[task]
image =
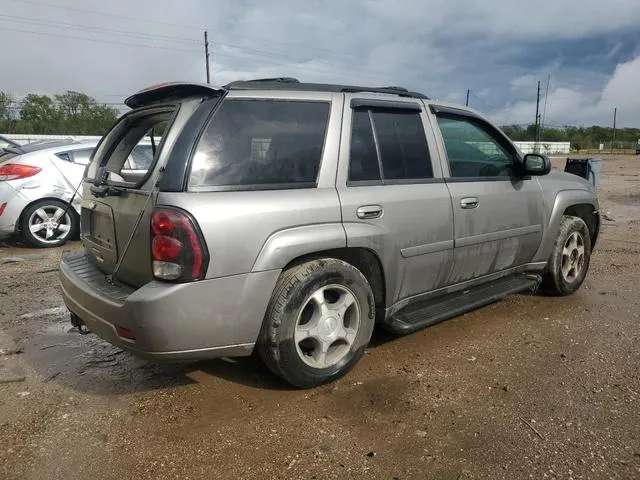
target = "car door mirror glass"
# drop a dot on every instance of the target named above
(536, 164)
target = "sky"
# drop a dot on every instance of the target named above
(586, 51)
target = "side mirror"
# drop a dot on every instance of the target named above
(536, 164)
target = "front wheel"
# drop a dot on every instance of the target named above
(318, 323)
(569, 261)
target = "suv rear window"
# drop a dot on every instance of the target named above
(261, 144)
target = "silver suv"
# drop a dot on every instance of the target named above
(290, 218)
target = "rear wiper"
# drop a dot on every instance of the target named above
(102, 191)
(153, 144)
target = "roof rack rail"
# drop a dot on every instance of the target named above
(400, 89)
(401, 92)
(293, 84)
(240, 83)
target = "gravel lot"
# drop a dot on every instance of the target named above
(531, 387)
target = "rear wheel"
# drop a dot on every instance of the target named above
(318, 322)
(569, 261)
(48, 223)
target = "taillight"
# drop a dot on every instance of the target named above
(15, 171)
(177, 247)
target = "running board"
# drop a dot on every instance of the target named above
(423, 314)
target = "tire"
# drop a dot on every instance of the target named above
(45, 211)
(569, 261)
(296, 311)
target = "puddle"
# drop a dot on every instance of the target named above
(87, 363)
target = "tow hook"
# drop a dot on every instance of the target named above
(76, 322)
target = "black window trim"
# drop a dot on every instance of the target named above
(61, 155)
(397, 181)
(239, 188)
(369, 103)
(400, 181)
(177, 171)
(502, 140)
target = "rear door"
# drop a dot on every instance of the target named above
(394, 200)
(497, 213)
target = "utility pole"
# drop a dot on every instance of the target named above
(467, 104)
(615, 114)
(206, 54)
(535, 147)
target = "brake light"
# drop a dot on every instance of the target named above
(177, 248)
(15, 171)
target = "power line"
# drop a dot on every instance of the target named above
(483, 100)
(156, 47)
(146, 36)
(104, 14)
(139, 35)
(159, 22)
(126, 44)
(48, 23)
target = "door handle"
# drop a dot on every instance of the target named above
(369, 211)
(469, 202)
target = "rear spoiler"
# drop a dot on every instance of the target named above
(171, 91)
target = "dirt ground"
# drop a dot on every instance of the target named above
(531, 387)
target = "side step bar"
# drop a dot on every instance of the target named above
(423, 314)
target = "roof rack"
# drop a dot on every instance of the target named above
(293, 84)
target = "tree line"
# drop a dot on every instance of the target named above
(69, 113)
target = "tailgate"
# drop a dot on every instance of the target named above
(118, 193)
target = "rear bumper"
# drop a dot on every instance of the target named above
(14, 203)
(171, 322)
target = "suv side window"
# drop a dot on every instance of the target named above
(472, 149)
(261, 144)
(401, 141)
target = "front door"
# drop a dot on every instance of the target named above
(497, 213)
(393, 197)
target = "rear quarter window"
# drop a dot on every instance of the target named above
(254, 144)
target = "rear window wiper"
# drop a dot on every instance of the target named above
(153, 144)
(100, 188)
(102, 191)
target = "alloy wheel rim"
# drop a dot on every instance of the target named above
(50, 224)
(327, 326)
(573, 257)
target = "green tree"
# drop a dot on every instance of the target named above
(38, 115)
(82, 115)
(6, 107)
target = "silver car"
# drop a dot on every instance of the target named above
(290, 218)
(37, 182)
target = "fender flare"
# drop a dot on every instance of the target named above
(286, 245)
(564, 199)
